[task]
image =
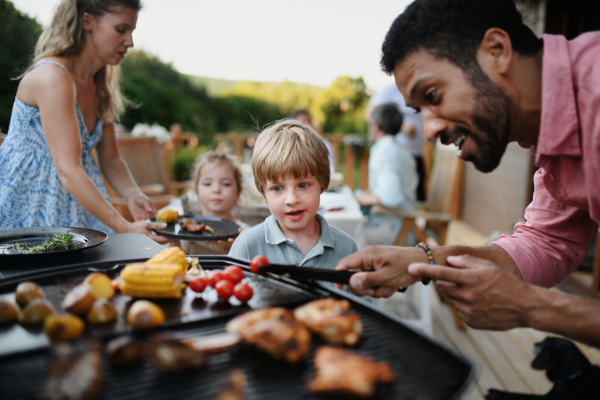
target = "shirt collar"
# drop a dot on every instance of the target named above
(274, 235)
(559, 122)
(385, 141)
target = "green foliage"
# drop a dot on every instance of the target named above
(341, 107)
(182, 162)
(18, 34)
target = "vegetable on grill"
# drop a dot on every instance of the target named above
(171, 255)
(167, 216)
(152, 280)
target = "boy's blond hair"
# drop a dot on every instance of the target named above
(290, 148)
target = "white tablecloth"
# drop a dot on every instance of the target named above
(350, 219)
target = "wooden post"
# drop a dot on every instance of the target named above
(364, 171)
(349, 163)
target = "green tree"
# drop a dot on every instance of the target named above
(18, 34)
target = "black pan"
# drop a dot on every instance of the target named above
(224, 229)
(85, 238)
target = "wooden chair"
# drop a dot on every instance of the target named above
(442, 205)
(144, 159)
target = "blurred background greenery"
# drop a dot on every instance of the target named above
(201, 105)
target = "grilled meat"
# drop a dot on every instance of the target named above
(74, 373)
(234, 389)
(212, 344)
(274, 331)
(340, 371)
(125, 350)
(173, 356)
(332, 320)
(191, 225)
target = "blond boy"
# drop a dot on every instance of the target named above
(291, 169)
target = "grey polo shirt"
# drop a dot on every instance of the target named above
(267, 239)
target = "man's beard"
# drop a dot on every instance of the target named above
(491, 117)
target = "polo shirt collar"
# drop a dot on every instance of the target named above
(559, 121)
(274, 235)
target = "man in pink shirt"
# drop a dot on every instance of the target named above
(482, 79)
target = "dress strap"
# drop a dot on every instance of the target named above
(47, 62)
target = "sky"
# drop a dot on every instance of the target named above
(307, 41)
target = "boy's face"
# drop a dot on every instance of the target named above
(294, 202)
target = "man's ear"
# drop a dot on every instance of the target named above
(87, 22)
(495, 52)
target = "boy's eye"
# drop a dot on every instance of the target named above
(303, 185)
(277, 188)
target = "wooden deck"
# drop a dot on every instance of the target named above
(503, 358)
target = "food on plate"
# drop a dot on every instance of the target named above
(50, 243)
(27, 292)
(8, 311)
(234, 388)
(224, 289)
(101, 285)
(331, 319)
(36, 312)
(152, 280)
(344, 372)
(63, 327)
(198, 284)
(101, 312)
(125, 350)
(167, 216)
(145, 314)
(243, 292)
(257, 262)
(213, 344)
(233, 274)
(191, 225)
(79, 299)
(173, 356)
(74, 374)
(215, 277)
(171, 255)
(274, 331)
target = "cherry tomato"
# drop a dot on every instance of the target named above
(214, 278)
(198, 284)
(257, 262)
(243, 292)
(224, 289)
(233, 274)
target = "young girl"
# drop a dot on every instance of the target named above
(217, 181)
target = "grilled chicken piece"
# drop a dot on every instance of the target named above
(212, 344)
(173, 356)
(332, 320)
(234, 389)
(74, 373)
(274, 331)
(340, 371)
(125, 350)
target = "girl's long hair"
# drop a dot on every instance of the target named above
(64, 36)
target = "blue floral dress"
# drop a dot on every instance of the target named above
(31, 193)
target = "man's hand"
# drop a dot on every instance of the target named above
(140, 207)
(386, 269)
(485, 296)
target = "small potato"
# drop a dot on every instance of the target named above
(63, 327)
(101, 285)
(36, 312)
(8, 312)
(102, 311)
(27, 292)
(79, 299)
(145, 314)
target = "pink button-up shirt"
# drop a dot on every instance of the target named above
(565, 211)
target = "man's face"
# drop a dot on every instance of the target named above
(464, 108)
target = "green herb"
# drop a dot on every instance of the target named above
(57, 242)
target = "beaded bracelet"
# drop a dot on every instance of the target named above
(422, 245)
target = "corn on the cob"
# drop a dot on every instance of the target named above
(152, 280)
(171, 255)
(167, 216)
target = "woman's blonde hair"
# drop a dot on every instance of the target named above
(290, 147)
(217, 157)
(64, 36)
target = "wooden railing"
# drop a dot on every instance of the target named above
(346, 159)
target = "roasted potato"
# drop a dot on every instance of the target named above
(8, 311)
(102, 311)
(101, 285)
(63, 327)
(79, 299)
(145, 314)
(36, 312)
(27, 292)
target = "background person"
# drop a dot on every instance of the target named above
(66, 105)
(482, 79)
(304, 116)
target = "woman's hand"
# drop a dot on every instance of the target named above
(140, 206)
(144, 227)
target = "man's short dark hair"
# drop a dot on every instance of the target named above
(388, 117)
(454, 29)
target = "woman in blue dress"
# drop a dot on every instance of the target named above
(66, 104)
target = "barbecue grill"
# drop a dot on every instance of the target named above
(423, 368)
